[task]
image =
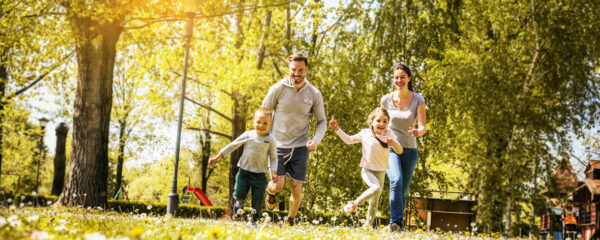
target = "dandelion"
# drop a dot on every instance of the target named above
(240, 212)
(252, 211)
(22, 205)
(315, 222)
(215, 232)
(136, 232)
(34, 193)
(9, 200)
(149, 207)
(49, 203)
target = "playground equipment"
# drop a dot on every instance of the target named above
(121, 190)
(187, 196)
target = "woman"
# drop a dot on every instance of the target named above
(404, 107)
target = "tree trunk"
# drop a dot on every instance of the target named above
(3, 81)
(120, 158)
(60, 159)
(88, 172)
(206, 145)
(239, 126)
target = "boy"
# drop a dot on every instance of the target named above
(260, 155)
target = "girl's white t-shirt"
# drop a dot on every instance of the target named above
(374, 156)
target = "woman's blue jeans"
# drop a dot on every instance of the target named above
(400, 173)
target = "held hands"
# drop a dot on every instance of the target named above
(413, 132)
(214, 159)
(311, 145)
(333, 123)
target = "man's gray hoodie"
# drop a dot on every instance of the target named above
(293, 110)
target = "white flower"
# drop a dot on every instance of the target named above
(315, 222)
(14, 221)
(29, 203)
(334, 218)
(12, 207)
(22, 197)
(61, 228)
(22, 205)
(265, 214)
(49, 203)
(9, 200)
(34, 193)
(240, 211)
(378, 214)
(33, 218)
(94, 236)
(2, 221)
(149, 207)
(252, 211)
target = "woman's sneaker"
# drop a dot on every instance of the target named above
(350, 207)
(270, 201)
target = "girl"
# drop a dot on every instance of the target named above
(376, 141)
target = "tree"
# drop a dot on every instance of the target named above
(60, 159)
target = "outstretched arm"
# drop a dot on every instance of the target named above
(347, 139)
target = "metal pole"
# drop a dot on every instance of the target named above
(173, 198)
(37, 174)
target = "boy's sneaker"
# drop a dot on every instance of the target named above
(252, 225)
(270, 201)
(237, 208)
(350, 207)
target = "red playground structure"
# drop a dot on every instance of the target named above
(198, 193)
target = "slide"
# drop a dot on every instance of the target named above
(200, 195)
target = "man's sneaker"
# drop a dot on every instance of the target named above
(394, 227)
(252, 225)
(289, 221)
(270, 201)
(350, 207)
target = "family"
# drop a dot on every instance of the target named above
(280, 144)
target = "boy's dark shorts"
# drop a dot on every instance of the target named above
(292, 162)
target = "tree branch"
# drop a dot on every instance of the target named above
(39, 78)
(204, 84)
(210, 109)
(198, 16)
(211, 132)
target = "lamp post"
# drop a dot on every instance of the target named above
(43, 122)
(190, 11)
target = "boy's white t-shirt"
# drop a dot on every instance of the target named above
(374, 156)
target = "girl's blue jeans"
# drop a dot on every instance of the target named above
(400, 173)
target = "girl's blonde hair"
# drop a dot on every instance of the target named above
(375, 112)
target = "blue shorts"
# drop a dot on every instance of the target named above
(292, 162)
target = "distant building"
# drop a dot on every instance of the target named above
(585, 196)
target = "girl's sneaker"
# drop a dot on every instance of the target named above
(350, 207)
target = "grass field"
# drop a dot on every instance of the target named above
(77, 223)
